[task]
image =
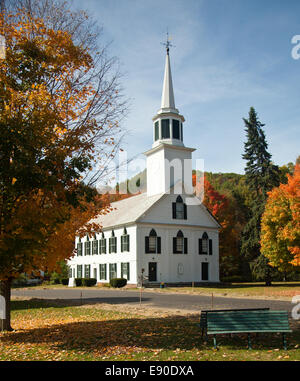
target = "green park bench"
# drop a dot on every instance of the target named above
(203, 316)
(259, 321)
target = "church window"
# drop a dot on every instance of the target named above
(113, 243)
(205, 245)
(102, 244)
(87, 271)
(181, 132)
(112, 270)
(156, 131)
(165, 128)
(95, 246)
(180, 244)
(125, 270)
(175, 129)
(87, 246)
(179, 209)
(102, 271)
(125, 241)
(153, 243)
(79, 248)
(79, 271)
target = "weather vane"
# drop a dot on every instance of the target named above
(167, 44)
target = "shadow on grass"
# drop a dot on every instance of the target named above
(34, 303)
(123, 336)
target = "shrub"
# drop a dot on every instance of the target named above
(88, 282)
(233, 279)
(65, 281)
(118, 282)
(78, 282)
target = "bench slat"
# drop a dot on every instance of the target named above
(250, 321)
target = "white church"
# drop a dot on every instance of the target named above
(165, 233)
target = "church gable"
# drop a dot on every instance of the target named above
(174, 209)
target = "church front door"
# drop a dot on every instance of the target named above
(152, 273)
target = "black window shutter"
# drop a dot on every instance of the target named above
(210, 247)
(174, 210)
(128, 243)
(174, 245)
(158, 245)
(146, 244)
(122, 244)
(200, 245)
(185, 245)
(184, 212)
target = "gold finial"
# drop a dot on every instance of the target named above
(167, 44)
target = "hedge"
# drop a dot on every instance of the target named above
(118, 282)
(88, 282)
(78, 282)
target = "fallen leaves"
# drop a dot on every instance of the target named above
(67, 333)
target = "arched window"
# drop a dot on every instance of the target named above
(153, 243)
(79, 247)
(124, 241)
(95, 245)
(102, 244)
(113, 243)
(180, 244)
(205, 245)
(87, 246)
(179, 210)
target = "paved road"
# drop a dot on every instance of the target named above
(155, 299)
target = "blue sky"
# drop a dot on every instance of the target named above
(229, 55)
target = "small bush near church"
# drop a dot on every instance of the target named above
(88, 282)
(118, 282)
(78, 282)
(65, 281)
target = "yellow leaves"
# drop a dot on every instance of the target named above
(13, 180)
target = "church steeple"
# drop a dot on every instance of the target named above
(168, 123)
(168, 150)
(167, 98)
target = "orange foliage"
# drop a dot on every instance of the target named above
(222, 209)
(280, 238)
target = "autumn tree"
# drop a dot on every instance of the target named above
(222, 209)
(280, 238)
(60, 106)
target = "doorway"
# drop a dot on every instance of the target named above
(152, 272)
(204, 270)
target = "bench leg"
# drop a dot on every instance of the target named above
(215, 342)
(249, 342)
(284, 341)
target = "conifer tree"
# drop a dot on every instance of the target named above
(261, 175)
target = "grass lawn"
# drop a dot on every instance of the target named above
(284, 290)
(50, 330)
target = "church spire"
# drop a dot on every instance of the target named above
(167, 99)
(168, 123)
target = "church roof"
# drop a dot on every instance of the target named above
(127, 210)
(132, 209)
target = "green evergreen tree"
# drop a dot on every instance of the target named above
(261, 175)
(262, 271)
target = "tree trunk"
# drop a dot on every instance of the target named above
(5, 291)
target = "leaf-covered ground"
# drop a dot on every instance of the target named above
(48, 330)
